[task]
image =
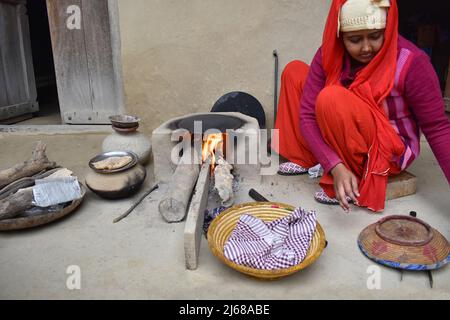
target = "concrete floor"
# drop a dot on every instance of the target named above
(142, 257)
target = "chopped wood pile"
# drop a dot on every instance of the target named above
(16, 183)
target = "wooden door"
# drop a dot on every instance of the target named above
(17, 83)
(86, 52)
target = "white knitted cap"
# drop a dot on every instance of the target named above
(358, 15)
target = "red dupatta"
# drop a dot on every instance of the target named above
(372, 84)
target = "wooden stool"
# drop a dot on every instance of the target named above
(402, 185)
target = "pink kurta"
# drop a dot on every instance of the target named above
(414, 104)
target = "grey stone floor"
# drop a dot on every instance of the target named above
(142, 257)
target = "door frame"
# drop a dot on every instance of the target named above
(116, 45)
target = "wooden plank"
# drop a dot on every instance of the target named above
(26, 55)
(11, 54)
(3, 94)
(114, 23)
(193, 229)
(16, 119)
(17, 84)
(99, 53)
(87, 117)
(10, 111)
(71, 63)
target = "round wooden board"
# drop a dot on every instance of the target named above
(38, 220)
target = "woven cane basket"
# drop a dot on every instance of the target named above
(222, 227)
(404, 242)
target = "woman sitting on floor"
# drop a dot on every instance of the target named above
(360, 107)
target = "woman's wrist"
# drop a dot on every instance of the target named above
(337, 168)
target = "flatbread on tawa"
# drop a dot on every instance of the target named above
(112, 163)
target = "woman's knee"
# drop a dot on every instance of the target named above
(330, 98)
(295, 72)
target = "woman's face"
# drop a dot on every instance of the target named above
(363, 45)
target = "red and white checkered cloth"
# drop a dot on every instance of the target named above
(279, 244)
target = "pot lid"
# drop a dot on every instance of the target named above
(404, 242)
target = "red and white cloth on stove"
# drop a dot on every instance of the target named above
(278, 244)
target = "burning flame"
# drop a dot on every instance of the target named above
(210, 145)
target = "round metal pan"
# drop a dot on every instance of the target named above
(241, 102)
(106, 155)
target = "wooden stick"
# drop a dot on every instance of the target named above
(136, 204)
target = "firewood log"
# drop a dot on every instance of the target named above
(24, 183)
(173, 207)
(14, 205)
(37, 163)
(223, 181)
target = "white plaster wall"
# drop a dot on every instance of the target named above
(180, 56)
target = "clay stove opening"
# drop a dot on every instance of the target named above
(213, 144)
(209, 121)
(242, 132)
(214, 147)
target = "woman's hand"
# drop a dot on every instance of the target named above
(345, 185)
